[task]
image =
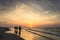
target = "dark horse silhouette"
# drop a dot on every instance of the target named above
(8, 36)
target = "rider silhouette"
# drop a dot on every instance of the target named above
(8, 36)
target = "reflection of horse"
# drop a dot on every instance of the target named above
(8, 36)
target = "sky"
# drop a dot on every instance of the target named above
(29, 12)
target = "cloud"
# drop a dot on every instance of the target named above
(46, 8)
(42, 10)
(7, 5)
(40, 5)
(44, 5)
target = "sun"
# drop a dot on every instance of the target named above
(31, 24)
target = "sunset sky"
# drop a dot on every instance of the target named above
(29, 12)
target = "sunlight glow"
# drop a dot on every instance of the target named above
(26, 16)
